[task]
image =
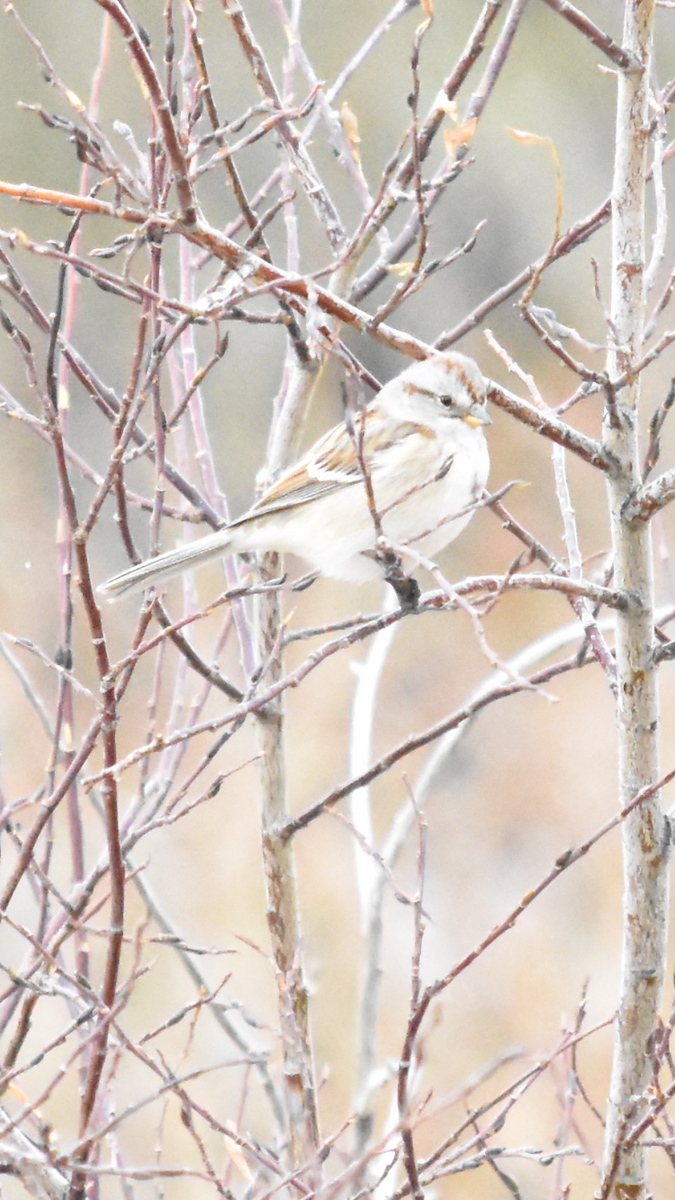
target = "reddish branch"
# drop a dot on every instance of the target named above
(257, 702)
(419, 1011)
(159, 103)
(298, 297)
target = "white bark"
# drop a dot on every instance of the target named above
(637, 697)
(283, 912)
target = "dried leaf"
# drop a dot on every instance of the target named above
(522, 135)
(459, 136)
(74, 99)
(350, 125)
(402, 269)
(236, 1154)
(449, 107)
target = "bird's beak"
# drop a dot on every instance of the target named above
(478, 415)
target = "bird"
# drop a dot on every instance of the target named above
(409, 467)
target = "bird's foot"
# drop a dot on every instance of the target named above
(407, 589)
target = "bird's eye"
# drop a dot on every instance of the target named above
(446, 401)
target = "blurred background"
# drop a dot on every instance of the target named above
(533, 775)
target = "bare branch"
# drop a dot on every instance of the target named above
(645, 833)
(553, 428)
(651, 498)
(597, 36)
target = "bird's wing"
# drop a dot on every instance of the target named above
(330, 465)
(291, 495)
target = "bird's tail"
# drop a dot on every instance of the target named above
(172, 562)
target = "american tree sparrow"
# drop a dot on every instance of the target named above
(420, 442)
